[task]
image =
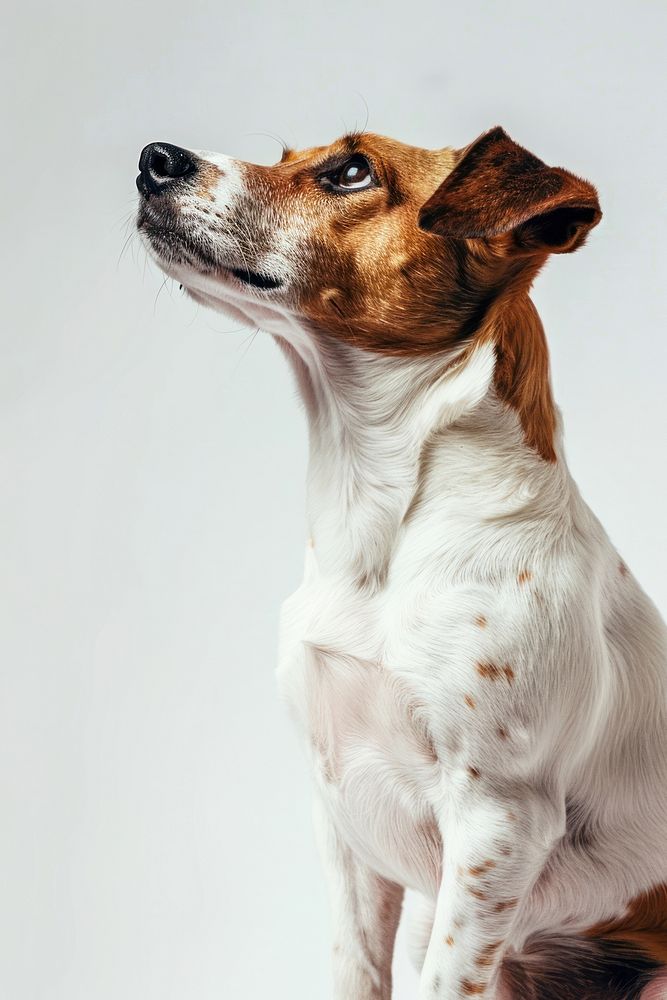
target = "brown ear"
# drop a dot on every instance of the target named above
(498, 187)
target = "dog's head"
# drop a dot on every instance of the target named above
(383, 245)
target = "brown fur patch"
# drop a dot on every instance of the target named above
(487, 956)
(522, 374)
(499, 187)
(482, 869)
(469, 989)
(492, 672)
(470, 701)
(480, 621)
(474, 773)
(643, 925)
(525, 576)
(489, 671)
(505, 904)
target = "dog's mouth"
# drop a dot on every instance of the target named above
(255, 279)
(174, 246)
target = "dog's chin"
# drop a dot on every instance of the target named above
(221, 305)
(220, 290)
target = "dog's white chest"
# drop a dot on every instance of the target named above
(372, 756)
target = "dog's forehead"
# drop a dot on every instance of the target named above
(418, 170)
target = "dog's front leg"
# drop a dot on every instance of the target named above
(365, 911)
(496, 843)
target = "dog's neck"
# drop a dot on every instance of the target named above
(400, 444)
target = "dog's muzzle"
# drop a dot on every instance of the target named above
(161, 165)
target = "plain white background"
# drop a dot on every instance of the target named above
(155, 834)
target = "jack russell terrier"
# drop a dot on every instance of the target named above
(480, 681)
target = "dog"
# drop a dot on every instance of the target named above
(479, 679)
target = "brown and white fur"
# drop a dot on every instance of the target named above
(480, 680)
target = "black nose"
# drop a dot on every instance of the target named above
(160, 164)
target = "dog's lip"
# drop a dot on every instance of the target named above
(266, 282)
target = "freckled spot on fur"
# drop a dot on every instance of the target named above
(473, 772)
(470, 701)
(505, 850)
(480, 621)
(492, 672)
(487, 955)
(502, 733)
(489, 671)
(622, 568)
(470, 989)
(505, 904)
(449, 940)
(483, 868)
(511, 817)
(525, 576)
(477, 893)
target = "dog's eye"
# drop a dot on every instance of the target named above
(354, 175)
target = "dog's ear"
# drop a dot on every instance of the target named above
(498, 187)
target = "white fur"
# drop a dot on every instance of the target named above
(428, 515)
(419, 527)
